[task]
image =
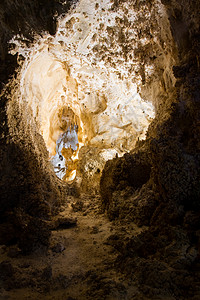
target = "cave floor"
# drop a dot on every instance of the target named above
(80, 263)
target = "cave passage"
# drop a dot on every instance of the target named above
(100, 152)
(84, 71)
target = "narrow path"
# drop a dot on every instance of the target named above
(79, 264)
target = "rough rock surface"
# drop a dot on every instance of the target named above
(167, 252)
(156, 186)
(30, 193)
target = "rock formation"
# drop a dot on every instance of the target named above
(141, 153)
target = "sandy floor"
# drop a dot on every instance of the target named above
(78, 265)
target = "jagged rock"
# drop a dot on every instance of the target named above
(62, 222)
(77, 206)
(132, 170)
(58, 248)
(157, 185)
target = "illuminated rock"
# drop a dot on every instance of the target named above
(94, 66)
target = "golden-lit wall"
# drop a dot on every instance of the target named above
(99, 63)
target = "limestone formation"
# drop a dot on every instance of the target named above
(107, 92)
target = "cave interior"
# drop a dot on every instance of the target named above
(100, 151)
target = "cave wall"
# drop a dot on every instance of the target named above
(166, 253)
(27, 18)
(103, 93)
(172, 137)
(170, 185)
(30, 192)
(171, 147)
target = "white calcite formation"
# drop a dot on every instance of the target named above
(64, 161)
(90, 67)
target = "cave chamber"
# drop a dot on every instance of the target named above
(102, 99)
